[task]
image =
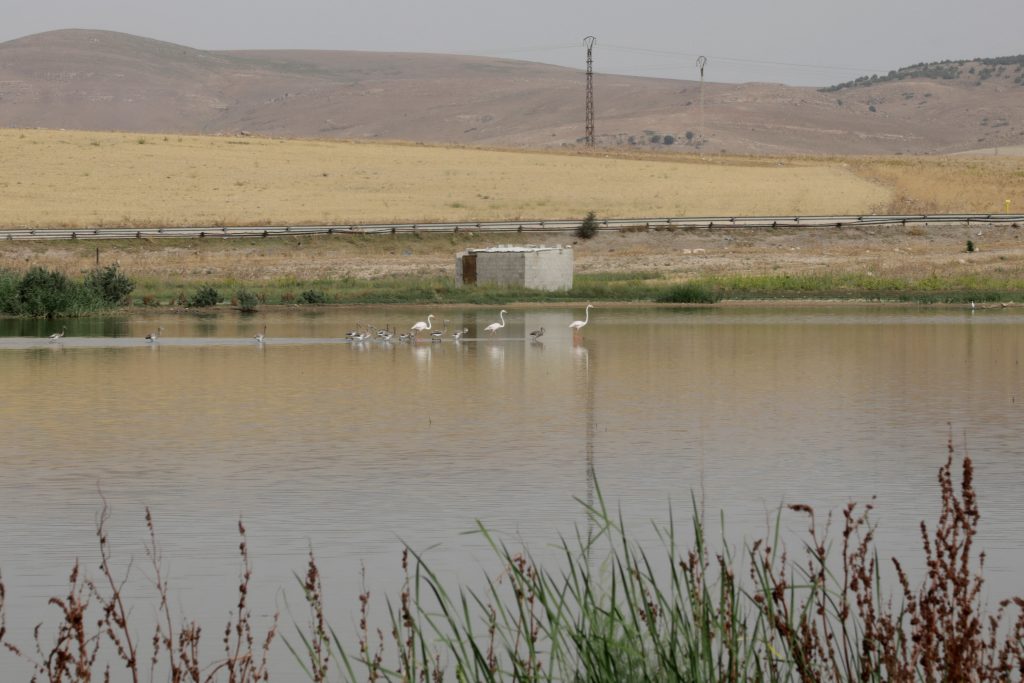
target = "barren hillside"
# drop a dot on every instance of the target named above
(99, 80)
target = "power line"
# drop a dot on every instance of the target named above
(740, 60)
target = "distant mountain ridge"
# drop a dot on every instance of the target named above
(101, 80)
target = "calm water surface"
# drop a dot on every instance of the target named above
(353, 448)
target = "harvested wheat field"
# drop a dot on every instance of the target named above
(77, 179)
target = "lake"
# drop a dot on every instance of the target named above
(353, 448)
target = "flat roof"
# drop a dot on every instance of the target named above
(511, 248)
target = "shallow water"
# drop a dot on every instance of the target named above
(355, 447)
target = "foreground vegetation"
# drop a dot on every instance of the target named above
(609, 610)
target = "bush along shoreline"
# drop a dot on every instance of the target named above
(43, 293)
(49, 294)
(607, 610)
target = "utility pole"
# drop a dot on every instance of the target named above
(701, 61)
(588, 42)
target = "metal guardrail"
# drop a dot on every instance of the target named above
(552, 226)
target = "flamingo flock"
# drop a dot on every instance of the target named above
(365, 332)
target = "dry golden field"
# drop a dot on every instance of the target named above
(74, 179)
(58, 178)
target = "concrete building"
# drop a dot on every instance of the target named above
(546, 268)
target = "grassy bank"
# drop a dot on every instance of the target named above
(57, 296)
(608, 610)
(638, 286)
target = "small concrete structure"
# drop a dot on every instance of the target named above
(546, 268)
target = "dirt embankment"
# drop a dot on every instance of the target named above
(898, 251)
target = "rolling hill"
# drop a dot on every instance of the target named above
(99, 80)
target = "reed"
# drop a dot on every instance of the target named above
(609, 609)
(681, 613)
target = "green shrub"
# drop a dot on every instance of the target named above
(46, 293)
(205, 297)
(688, 293)
(588, 228)
(313, 296)
(970, 245)
(9, 303)
(110, 284)
(247, 300)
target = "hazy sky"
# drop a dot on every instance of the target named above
(800, 42)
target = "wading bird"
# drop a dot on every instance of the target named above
(261, 336)
(421, 325)
(458, 335)
(438, 335)
(537, 334)
(577, 325)
(494, 327)
(57, 335)
(153, 336)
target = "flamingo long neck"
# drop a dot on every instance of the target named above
(429, 321)
(586, 318)
(502, 316)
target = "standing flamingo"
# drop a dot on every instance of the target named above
(57, 335)
(153, 336)
(494, 327)
(577, 325)
(420, 326)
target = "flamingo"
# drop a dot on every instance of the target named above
(57, 335)
(577, 325)
(420, 326)
(261, 336)
(153, 336)
(537, 334)
(494, 327)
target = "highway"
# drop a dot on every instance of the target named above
(534, 226)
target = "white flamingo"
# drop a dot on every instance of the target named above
(577, 325)
(421, 325)
(153, 336)
(57, 335)
(494, 327)
(261, 336)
